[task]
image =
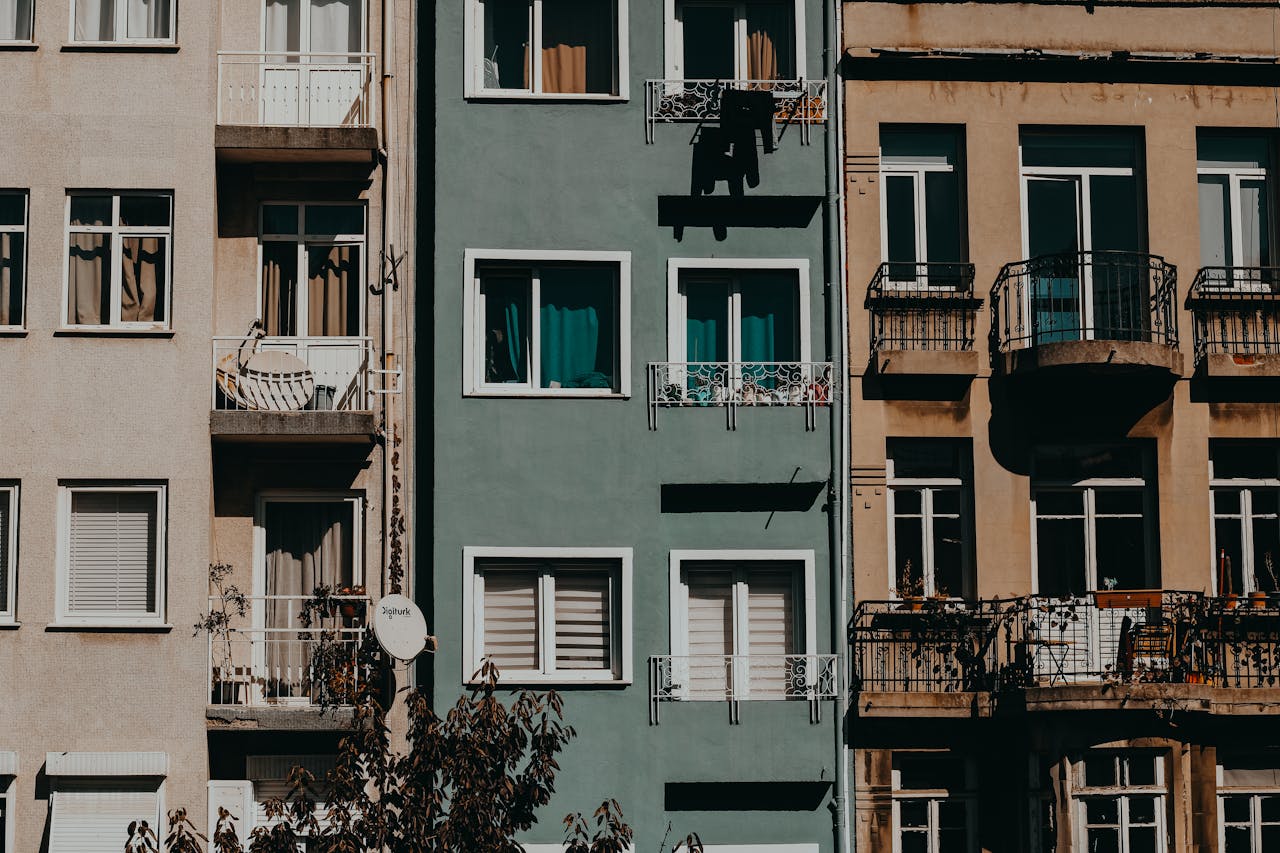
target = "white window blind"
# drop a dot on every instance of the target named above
(270, 775)
(582, 620)
(710, 632)
(511, 619)
(92, 816)
(112, 553)
(770, 629)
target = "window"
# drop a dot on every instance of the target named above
(548, 324)
(929, 505)
(561, 48)
(1249, 803)
(112, 555)
(749, 311)
(7, 820)
(556, 615)
(84, 811)
(922, 206)
(113, 21)
(1094, 527)
(314, 72)
(312, 270)
(742, 622)
(1120, 802)
(269, 779)
(1083, 193)
(8, 549)
(15, 25)
(1245, 488)
(934, 809)
(314, 26)
(119, 250)
(13, 257)
(1235, 207)
(728, 40)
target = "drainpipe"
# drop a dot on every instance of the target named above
(837, 321)
(388, 258)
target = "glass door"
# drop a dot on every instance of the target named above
(313, 74)
(1053, 235)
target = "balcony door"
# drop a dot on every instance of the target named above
(313, 74)
(1235, 211)
(725, 40)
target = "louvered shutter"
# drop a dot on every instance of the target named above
(6, 508)
(710, 595)
(583, 615)
(511, 619)
(770, 629)
(112, 554)
(236, 796)
(270, 775)
(93, 816)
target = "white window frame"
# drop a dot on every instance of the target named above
(473, 615)
(916, 171)
(934, 797)
(122, 26)
(677, 311)
(1254, 793)
(305, 241)
(304, 33)
(31, 15)
(473, 384)
(1235, 175)
(1244, 487)
(24, 230)
(354, 499)
(673, 47)
(142, 620)
(1121, 793)
(928, 486)
(473, 23)
(9, 495)
(116, 233)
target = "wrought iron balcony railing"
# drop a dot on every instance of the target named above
(799, 102)
(293, 89)
(283, 374)
(934, 646)
(732, 385)
(279, 657)
(1111, 296)
(924, 306)
(738, 678)
(1236, 311)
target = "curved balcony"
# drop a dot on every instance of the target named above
(1236, 314)
(1108, 312)
(923, 318)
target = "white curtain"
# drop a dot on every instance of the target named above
(95, 20)
(283, 22)
(336, 26)
(15, 20)
(149, 19)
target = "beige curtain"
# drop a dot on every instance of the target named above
(279, 288)
(577, 46)
(10, 279)
(333, 290)
(88, 283)
(142, 284)
(768, 41)
(95, 20)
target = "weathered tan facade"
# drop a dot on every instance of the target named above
(1071, 424)
(149, 408)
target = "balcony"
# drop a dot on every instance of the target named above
(1103, 312)
(739, 678)
(296, 107)
(1236, 313)
(285, 389)
(287, 656)
(730, 386)
(802, 103)
(923, 317)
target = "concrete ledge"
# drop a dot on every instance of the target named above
(280, 718)
(254, 144)
(292, 426)
(1192, 698)
(902, 362)
(1096, 357)
(1226, 366)
(874, 704)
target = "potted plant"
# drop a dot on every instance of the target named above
(909, 589)
(352, 609)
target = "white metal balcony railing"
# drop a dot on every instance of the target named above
(738, 678)
(730, 385)
(274, 659)
(799, 102)
(293, 89)
(291, 374)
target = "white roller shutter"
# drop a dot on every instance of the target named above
(270, 775)
(511, 619)
(710, 593)
(236, 796)
(583, 616)
(112, 553)
(93, 816)
(771, 630)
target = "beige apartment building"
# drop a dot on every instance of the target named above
(1064, 432)
(205, 268)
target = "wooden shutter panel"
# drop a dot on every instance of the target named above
(236, 796)
(93, 816)
(770, 628)
(112, 557)
(511, 619)
(710, 594)
(583, 616)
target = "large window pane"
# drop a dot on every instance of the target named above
(149, 19)
(948, 556)
(95, 20)
(770, 328)
(89, 280)
(1254, 229)
(506, 302)
(1121, 552)
(770, 52)
(900, 222)
(327, 220)
(337, 26)
(1060, 556)
(943, 216)
(578, 46)
(1215, 221)
(511, 619)
(707, 321)
(579, 321)
(142, 282)
(506, 44)
(280, 288)
(15, 20)
(1228, 562)
(709, 42)
(333, 290)
(582, 614)
(12, 276)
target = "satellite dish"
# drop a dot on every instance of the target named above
(400, 627)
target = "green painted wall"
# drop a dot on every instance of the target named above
(511, 472)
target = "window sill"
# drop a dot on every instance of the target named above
(546, 394)
(13, 333)
(106, 332)
(561, 97)
(7, 625)
(111, 627)
(119, 47)
(18, 45)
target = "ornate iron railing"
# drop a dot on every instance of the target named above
(799, 102)
(1112, 296)
(924, 306)
(739, 678)
(293, 89)
(732, 385)
(273, 657)
(925, 646)
(1235, 311)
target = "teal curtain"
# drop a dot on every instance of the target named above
(506, 324)
(578, 324)
(770, 323)
(706, 321)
